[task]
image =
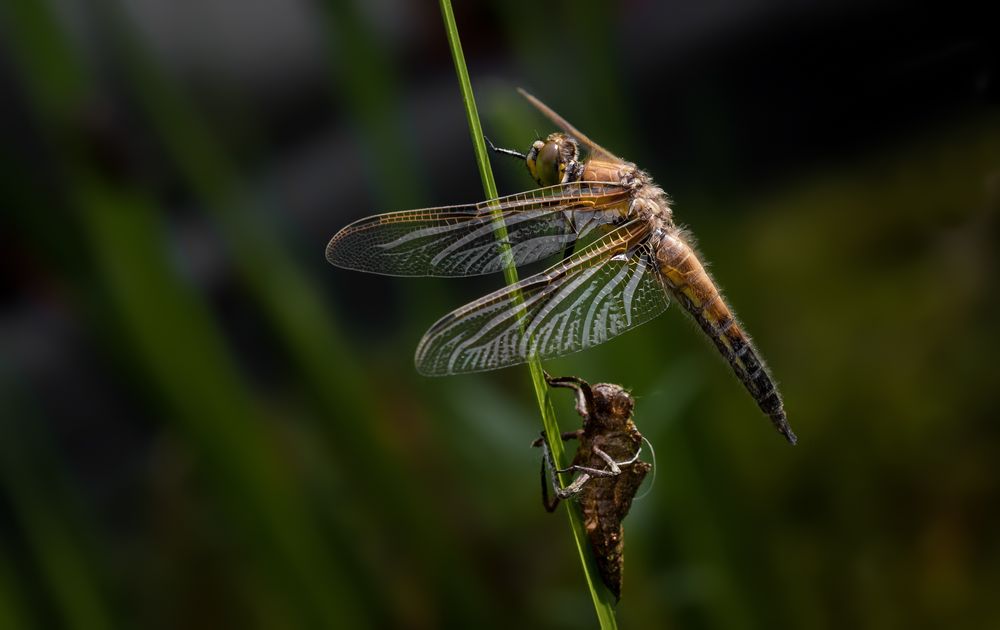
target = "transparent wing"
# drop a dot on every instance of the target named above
(596, 150)
(461, 240)
(596, 294)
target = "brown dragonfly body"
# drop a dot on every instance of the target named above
(609, 468)
(616, 281)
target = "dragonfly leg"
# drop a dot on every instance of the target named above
(613, 470)
(565, 435)
(633, 459)
(548, 502)
(579, 231)
(584, 395)
(559, 493)
(587, 473)
(571, 245)
(590, 472)
(614, 466)
(568, 250)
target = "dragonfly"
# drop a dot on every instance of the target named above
(627, 259)
(609, 471)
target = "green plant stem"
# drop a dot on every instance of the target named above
(602, 598)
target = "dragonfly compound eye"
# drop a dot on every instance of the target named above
(548, 161)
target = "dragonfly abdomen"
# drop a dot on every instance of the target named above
(690, 283)
(606, 501)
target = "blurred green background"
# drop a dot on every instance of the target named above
(204, 425)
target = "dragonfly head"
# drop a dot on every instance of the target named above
(554, 160)
(612, 405)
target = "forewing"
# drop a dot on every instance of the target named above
(461, 240)
(598, 293)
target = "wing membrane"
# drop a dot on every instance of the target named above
(598, 293)
(461, 241)
(595, 149)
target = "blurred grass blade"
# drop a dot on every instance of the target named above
(602, 598)
(35, 485)
(293, 305)
(13, 605)
(174, 337)
(363, 78)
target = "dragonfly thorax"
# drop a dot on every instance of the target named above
(554, 160)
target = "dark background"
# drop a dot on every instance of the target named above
(205, 425)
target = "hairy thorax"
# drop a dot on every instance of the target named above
(648, 203)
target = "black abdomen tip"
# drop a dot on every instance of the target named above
(781, 424)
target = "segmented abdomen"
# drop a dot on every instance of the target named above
(687, 279)
(605, 502)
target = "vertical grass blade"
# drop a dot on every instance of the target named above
(54, 528)
(169, 333)
(602, 598)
